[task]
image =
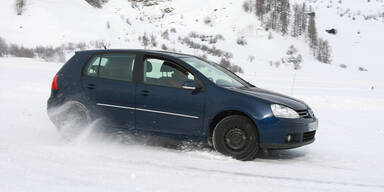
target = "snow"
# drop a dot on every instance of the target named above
(345, 157)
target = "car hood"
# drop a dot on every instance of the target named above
(273, 97)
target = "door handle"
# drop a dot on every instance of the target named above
(91, 86)
(144, 92)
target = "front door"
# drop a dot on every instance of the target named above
(162, 105)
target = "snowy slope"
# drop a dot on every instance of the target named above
(47, 22)
(359, 40)
(345, 157)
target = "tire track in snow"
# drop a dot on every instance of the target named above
(316, 181)
(259, 176)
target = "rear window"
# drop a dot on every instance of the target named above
(111, 66)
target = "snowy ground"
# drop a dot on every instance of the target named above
(347, 155)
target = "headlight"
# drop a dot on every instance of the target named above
(282, 111)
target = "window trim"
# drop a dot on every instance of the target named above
(135, 63)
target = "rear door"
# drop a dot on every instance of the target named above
(162, 105)
(108, 81)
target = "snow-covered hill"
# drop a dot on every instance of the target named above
(122, 23)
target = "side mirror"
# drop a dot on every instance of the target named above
(191, 85)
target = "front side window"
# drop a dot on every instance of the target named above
(165, 73)
(112, 66)
(218, 75)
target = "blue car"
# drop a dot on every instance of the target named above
(180, 96)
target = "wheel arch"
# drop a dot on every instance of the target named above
(56, 112)
(223, 114)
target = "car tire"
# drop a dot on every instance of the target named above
(72, 118)
(236, 136)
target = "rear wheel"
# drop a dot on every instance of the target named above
(236, 136)
(71, 119)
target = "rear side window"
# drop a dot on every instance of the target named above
(112, 66)
(93, 66)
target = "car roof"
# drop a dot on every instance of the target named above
(144, 51)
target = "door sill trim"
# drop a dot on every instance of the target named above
(147, 110)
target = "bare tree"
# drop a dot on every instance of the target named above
(293, 57)
(165, 35)
(18, 51)
(208, 20)
(144, 40)
(225, 63)
(153, 40)
(241, 41)
(164, 47)
(20, 6)
(3, 47)
(247, 6)
(236, 69)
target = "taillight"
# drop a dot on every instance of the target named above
(54, 83)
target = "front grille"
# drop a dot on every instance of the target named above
(304, 114)
(308, 136)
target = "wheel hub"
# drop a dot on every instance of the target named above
(236, 139)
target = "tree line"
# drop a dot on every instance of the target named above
(297, 20)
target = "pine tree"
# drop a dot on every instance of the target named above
(260, 9)
(319, 51)
(291, 50)
(3, 47)
(296, 27)
(312, 31)
(327, 52)
(20, 4)
(300, 20)
(274, 15)
(323, 51)
(268, 5)
(284, 16)
(304, 18)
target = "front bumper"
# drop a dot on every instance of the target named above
(285, 145)
(275, 132)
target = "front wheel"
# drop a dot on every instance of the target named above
(236, 136)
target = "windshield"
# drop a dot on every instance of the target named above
(216, 73)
